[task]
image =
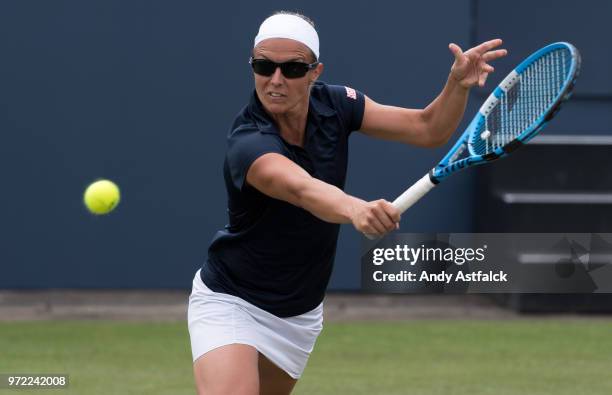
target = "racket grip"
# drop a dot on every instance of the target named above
(413, 194)
(410, 197)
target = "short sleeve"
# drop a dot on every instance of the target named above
(244, 147)
(350, 105)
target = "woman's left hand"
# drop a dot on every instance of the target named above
(472, 67)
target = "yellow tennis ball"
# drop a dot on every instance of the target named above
(101, 197)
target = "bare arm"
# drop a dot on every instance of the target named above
(434, 125)
(430, 127)
(280, 178)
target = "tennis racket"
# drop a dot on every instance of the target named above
(518, 109)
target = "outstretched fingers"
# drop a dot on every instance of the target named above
(455, 49)
(485, 67)
(492, 55)
(488, 45)
(457, 52)
(482, 79)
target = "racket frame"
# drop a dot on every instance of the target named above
(449, 164)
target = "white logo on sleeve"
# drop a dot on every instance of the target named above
(350, 93)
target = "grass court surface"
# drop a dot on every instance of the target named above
(524, 356)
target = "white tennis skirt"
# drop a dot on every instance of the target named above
(217, 319)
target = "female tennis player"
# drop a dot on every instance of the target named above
(256, 307)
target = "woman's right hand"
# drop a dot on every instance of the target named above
(375, 218)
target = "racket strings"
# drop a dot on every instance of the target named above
(525, 102)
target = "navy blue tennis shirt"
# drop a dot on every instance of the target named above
(273, 254)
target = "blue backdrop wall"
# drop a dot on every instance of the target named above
(142, 92)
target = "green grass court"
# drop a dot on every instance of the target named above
(422, 357)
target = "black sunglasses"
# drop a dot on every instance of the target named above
(267, 67)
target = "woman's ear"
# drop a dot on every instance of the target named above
(316, 72)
